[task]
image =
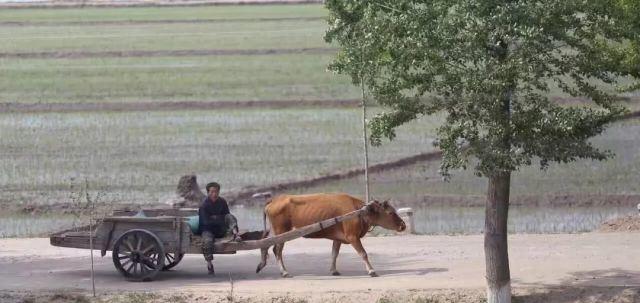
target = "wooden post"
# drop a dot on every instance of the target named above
(364, 134)
(89, 200)
(366, 148)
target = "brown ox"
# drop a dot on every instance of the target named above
(287, 212)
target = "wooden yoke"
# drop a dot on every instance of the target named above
(222, 247)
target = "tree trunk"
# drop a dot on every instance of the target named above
(495, 239)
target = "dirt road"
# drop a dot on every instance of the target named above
(403, 262)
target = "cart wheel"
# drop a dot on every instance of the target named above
(172, 259)
(138, 254)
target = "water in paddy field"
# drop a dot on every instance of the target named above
(470, 220)
(22, 1)
(427, 219)
(522, 219)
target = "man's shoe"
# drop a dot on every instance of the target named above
(211, 271)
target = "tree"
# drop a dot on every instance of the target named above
(631, 9)
(490, 66)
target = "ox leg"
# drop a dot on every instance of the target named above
(264, 252)
(263, 261)
(357, 245)
(334, 254)
(277, 250)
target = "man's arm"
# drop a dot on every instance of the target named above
(205, 217)
(225, 209)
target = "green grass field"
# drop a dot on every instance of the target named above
(167, 78)
(158, 79)
(138, 156)
(618, 175)
(225, 12)
(164, 36)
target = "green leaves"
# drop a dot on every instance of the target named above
(491, 66)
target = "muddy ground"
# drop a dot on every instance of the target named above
(164, 53)
(590, 267)
(624, 224)
(170, 105)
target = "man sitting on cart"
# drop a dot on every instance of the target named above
(215, 222)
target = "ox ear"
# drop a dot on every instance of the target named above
(388, 205)
(374, 207)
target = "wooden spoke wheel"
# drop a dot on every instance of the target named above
(138, 254)
(172, 259)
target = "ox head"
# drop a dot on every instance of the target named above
(384, 215)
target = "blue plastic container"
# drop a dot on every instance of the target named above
(194, 221)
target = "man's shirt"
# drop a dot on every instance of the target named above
(212, 215)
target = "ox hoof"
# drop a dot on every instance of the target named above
(335, 273)
(286, 275)
(373, 274)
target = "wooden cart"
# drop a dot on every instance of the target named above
(142, 246)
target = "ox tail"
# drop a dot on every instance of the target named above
(264, 252)
(265, 229)
(268, 197)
